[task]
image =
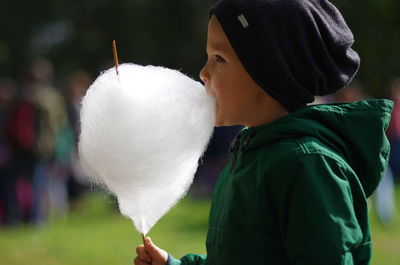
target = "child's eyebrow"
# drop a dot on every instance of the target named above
(219, 47)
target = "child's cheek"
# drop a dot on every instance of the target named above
(218, 86)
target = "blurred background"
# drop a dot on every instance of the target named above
(51, 51)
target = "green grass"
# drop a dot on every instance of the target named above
(386, 238)
(98, 234)
(95, 233)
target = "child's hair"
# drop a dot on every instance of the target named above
(293, 49)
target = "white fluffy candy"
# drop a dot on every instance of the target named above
(142, 135)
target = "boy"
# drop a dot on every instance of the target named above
(295, 190)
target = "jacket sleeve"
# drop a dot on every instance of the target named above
(189, 259)
(316, 214)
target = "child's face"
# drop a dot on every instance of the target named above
(237, 95)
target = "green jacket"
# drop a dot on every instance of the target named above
(295, 190)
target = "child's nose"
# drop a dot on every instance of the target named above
(204, 74)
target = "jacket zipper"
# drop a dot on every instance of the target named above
(233, 150)
(235, 146)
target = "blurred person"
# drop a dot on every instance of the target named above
(294, 190)
(77, 84)
(385, 199)
(54, 144)
(385, 195)
(21, 132)
(394, 129)
(7, 188)
(7, 96)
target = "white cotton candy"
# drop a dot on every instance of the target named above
(142, 135)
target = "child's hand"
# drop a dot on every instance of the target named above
(150, 254)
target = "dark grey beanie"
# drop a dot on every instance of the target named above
(293, 49)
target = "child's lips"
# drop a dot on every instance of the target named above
(210, 92)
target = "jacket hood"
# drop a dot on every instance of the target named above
(354, 130)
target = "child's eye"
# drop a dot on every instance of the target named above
(219, 59)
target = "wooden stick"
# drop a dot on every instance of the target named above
(115, 56)
(143, 238)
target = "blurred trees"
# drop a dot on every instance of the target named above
(78, 35)
(376, 28)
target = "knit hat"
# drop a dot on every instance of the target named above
(293, 49)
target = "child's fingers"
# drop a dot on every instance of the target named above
(138, 261)
(151, 248)
(142, 254)
(158, 255)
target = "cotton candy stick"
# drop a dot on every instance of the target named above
(115, 55)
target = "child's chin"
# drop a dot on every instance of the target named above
(218, 122)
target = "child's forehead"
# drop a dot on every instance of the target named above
(217, 40)
(217, 45)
